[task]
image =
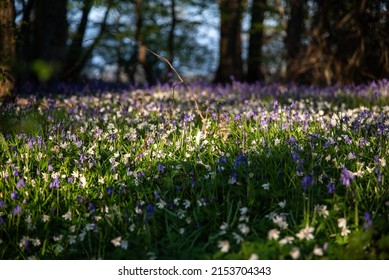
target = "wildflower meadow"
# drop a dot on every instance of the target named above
(256, 172)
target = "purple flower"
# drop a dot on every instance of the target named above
(156, 195)
(331, 187)
(21, 183)
(80, 199)
(54, 183)
(161, 167)
(368, 220)
(109, 190)
(50, 168)
(241, 159)
(140, 174)
(150, 209)
(1, 220)
(14, 195)
(221, 160)
(16, 173)
(307, 181)
(91, 207)
(2, 204)
(17, 210)
(346, 177)
(295, 156)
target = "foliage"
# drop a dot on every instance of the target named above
(272, 172)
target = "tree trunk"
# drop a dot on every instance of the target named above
(141, 51)
(50, 31)
(230, 48)
(75, 51)
(172, 30)
(254, 61)
(295, 30)
(7, 50)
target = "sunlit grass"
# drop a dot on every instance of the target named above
(271, 173)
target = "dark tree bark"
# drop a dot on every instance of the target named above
(76, 50)
(294, 33)
(24, 41)
(230, 48)
(141, 52)
(50, 31)
(7, 50)
(254, 61)
(172, 30)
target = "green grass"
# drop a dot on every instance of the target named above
(138, 180)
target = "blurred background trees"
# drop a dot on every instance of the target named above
(314, 42)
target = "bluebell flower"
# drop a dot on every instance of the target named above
(17, 210)
(14, 195)
(161, 167)
(331, 187)
(21, 183)
(295, 156)
(2, 204)
(54, 183)
(140, 174)
(1, 220)
(156, 195)
(91, 207)
(307, 181)
(109, 190)
(368, 220)
(150, 209)
(241, 159)
(346, 177)
(222, 160)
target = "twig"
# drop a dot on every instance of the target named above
(180, 78)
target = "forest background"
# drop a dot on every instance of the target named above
(307, 42)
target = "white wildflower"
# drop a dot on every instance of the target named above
(224, 246)
(273, 234)
(344, 231)
(342, 223)
(116, 241)
(237, 237)
(243, 211)
(67, 216)
(124, 244)
(306, 233)
(181, 213)
(317, 251)
(322, 210)
(295, 253)
(72, 239)
(280, 222)
(186, 204)
(161, 204)
(131, 227)
(244, 229)
(286, 240)
(266, 186)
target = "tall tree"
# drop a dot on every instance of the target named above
(7, 50)
(50, 31)
(230, 47)
(254, 60)
(294, 34)
(75, 51)
(172, 30)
